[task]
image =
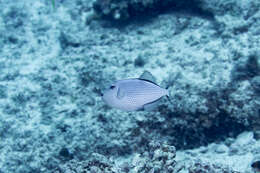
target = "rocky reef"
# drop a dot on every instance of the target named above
(157, 158)
(56, 61)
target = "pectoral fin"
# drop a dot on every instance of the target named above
(120, 93)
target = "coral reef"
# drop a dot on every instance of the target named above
(55, 63)
(157, 158)
(199, 167)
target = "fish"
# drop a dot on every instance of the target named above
(135, 94)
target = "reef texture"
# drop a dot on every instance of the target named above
(158, 158)
(55, 63)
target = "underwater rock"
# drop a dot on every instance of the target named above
(255, 82)
(202, 167)
(96, 163)
(248, 68)
(157, 158)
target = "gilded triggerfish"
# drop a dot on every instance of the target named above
(134, 94)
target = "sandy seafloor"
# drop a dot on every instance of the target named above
(56, 61)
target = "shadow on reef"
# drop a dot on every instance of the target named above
(192, 130)
(121, 13)
(191, 135)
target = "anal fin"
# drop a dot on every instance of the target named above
(152, 105)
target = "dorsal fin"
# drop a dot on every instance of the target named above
(148, 77)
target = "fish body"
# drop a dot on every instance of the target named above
(133, 94)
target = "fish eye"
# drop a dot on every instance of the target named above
(112, 86)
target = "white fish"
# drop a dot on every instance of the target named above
(134, 94)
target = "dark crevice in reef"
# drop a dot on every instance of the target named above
(189, 7)
(193, 135)
(226, 127)
(136, 11)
